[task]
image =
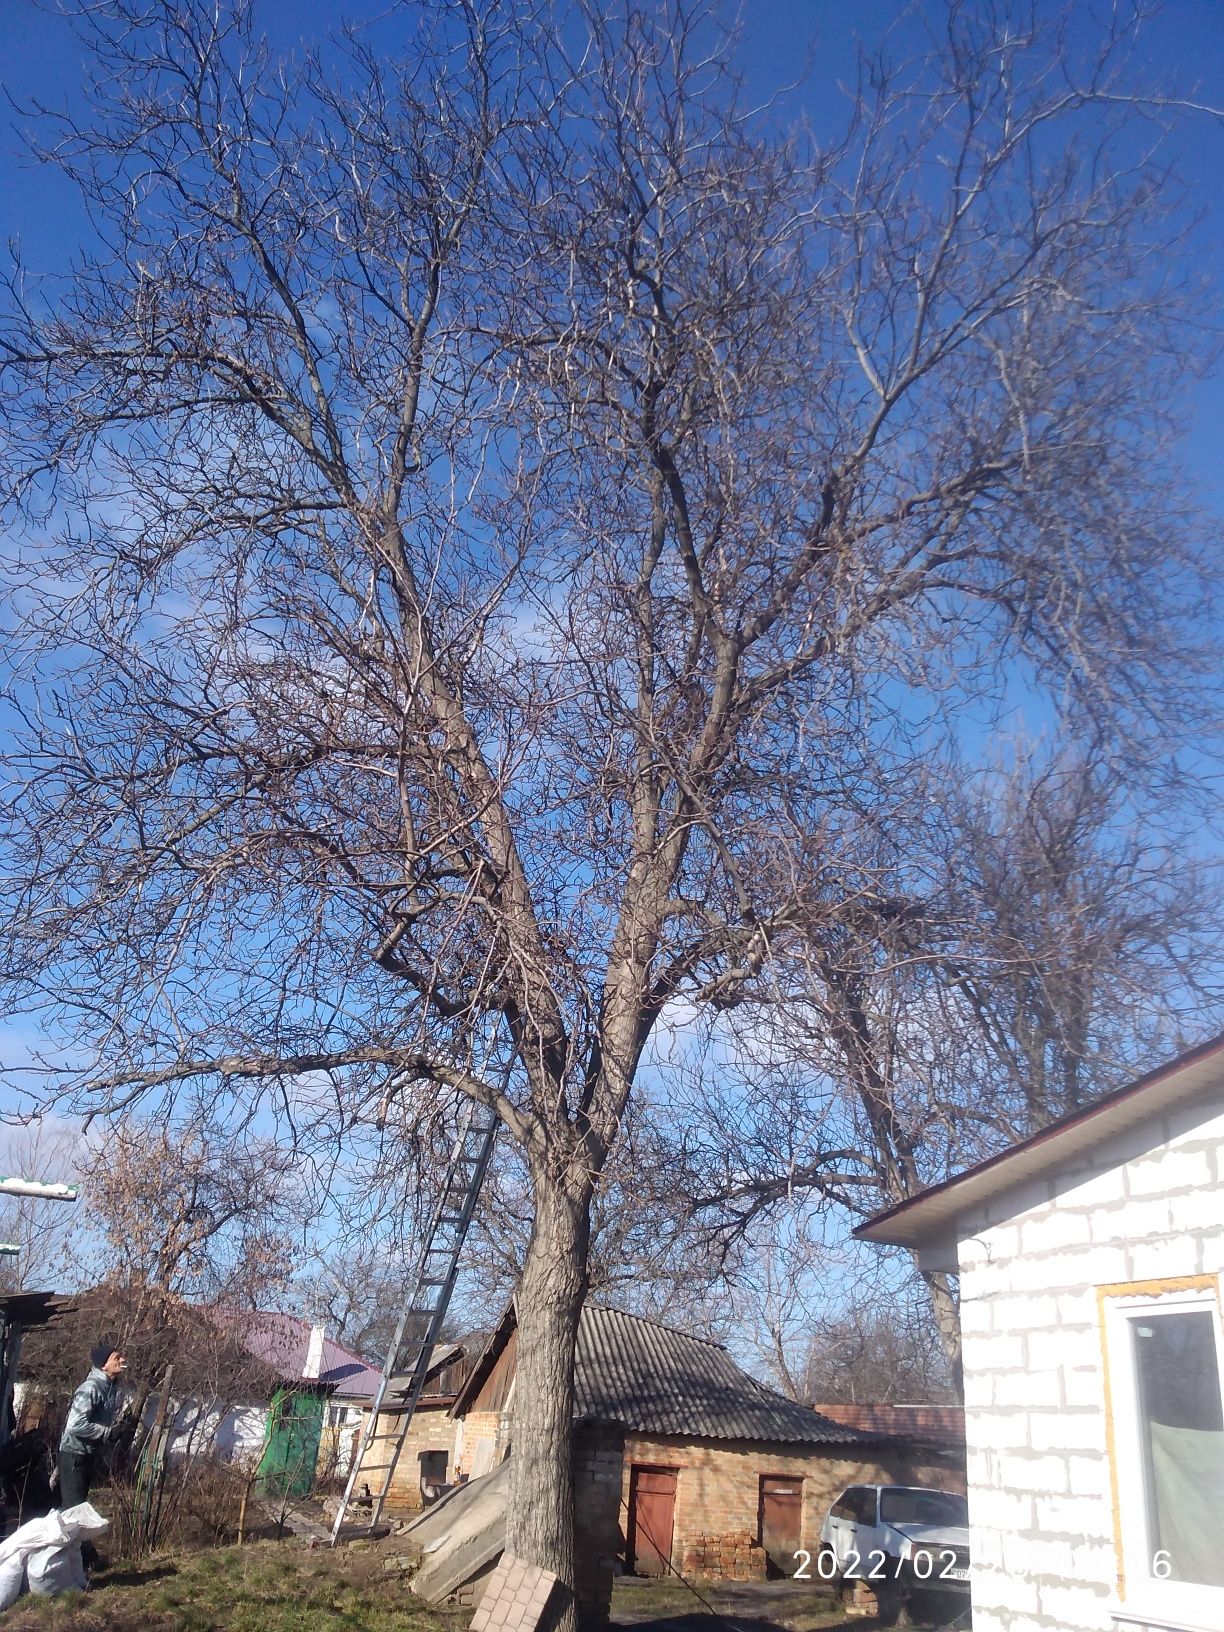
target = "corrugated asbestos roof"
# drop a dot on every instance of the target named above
(654, 1380)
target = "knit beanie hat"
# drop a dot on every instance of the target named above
(101, 1352)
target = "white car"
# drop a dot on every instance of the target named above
(900, 1539)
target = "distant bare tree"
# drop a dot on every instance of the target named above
(884, 1351)
(1024, 945)
(1091, 950)
(188, 1213)
(484, 507)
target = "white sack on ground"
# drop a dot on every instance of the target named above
(82, 1521)
(12, 1579)
(45, 1554)
(15, 1550)
(45, 1532)
(56, 1569)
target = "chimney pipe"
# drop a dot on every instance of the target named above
(314, 1352)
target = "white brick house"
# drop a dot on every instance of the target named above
(1090, 1258)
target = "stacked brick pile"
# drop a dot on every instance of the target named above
(515, 1597)
(861, 1601)
(731, 1556)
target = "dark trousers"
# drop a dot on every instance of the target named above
(75, 1477)
(76, 1469)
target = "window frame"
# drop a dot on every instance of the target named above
(1143, 1597)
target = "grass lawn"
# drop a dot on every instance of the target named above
(262, 1587)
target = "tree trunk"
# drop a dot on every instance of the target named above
(540, 1519)
(947, 1319)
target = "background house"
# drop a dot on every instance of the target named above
(291, 1398)
(1090, 1258)
(247, 1385)
(683, 1461)
(309, 1426)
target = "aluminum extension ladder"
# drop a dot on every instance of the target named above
(420, 1323)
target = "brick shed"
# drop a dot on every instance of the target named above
(428, 1457)
(683, 1462)
(1090, 1258)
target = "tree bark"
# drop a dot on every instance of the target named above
(947, 1320)
(540, 1520)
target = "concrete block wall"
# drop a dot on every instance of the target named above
(1145, 1206)
(719, 1481)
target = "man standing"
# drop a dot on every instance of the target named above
(90, 1425)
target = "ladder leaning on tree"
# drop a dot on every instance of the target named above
(420, 1323)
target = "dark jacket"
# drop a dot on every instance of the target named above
(90, 1415)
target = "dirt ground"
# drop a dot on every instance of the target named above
(792, 1606)
(727, 1606)
(287, 1586)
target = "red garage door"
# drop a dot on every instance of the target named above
(781, 1522)
(652, 1513)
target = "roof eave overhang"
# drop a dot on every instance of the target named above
(928, 1221)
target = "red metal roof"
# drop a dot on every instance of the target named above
(942, 1425)
(281, 1342)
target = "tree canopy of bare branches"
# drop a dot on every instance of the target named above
(503, 521)
(1028, 940)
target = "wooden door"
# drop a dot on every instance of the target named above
(781, 1522)
(652, 1514)
(291, 1451)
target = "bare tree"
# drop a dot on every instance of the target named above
(644, 1254)
(882, 1349)
(1028, 941)
(187, 1213)
(1091, 950)
(488, 506)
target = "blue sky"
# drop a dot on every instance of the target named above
(40, 61)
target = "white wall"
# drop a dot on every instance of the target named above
(232, 1435)
(1147, 1205)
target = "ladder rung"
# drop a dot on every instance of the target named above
(449, 1222)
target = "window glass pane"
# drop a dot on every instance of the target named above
(1182, 1437)
(914, 1506)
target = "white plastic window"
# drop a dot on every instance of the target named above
(1166, 1365)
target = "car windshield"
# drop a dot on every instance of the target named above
(902, 1506)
